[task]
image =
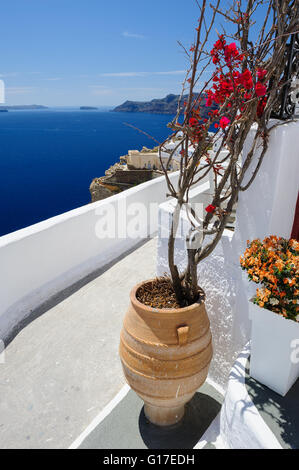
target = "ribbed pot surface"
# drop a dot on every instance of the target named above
(165, 355)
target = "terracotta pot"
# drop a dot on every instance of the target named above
(165, 354)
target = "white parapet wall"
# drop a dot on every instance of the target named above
(266, 208)
(39, 261)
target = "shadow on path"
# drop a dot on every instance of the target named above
(281, 414)
(199, 414)
(126, 427)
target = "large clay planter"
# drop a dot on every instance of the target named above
(165, 354)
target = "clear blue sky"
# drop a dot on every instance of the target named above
(93, 52)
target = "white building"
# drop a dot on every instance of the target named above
(150, 161)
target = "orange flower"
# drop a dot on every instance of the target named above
(280, 265)
(274, 263)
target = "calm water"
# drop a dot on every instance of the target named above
(49, 157)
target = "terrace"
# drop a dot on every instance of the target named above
(65, 289)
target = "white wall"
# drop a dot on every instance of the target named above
(41, 260)
(266, 208)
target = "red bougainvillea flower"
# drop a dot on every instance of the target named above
(217, 168)
(193, 122)
(260, 89)
(261, 73)
(224, 122)
(210, 208)
(220, 43)
(231, 49)
(245, 79)
(261, 106)
(234, 85)
(218, 47)
(230, 52)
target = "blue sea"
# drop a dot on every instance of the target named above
(48, 158)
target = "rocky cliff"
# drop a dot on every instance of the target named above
(167, 105)
(118, 178)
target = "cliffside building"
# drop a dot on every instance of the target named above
(149, 161)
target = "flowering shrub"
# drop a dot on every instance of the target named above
(232, 90)
(274, 263)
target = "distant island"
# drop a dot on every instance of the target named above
(87, 108)
(22, 107)
(167, 105)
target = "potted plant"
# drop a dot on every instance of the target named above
(165, 345)
(274, 311)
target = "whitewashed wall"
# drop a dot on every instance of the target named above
(41, 260)
(266, 208)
